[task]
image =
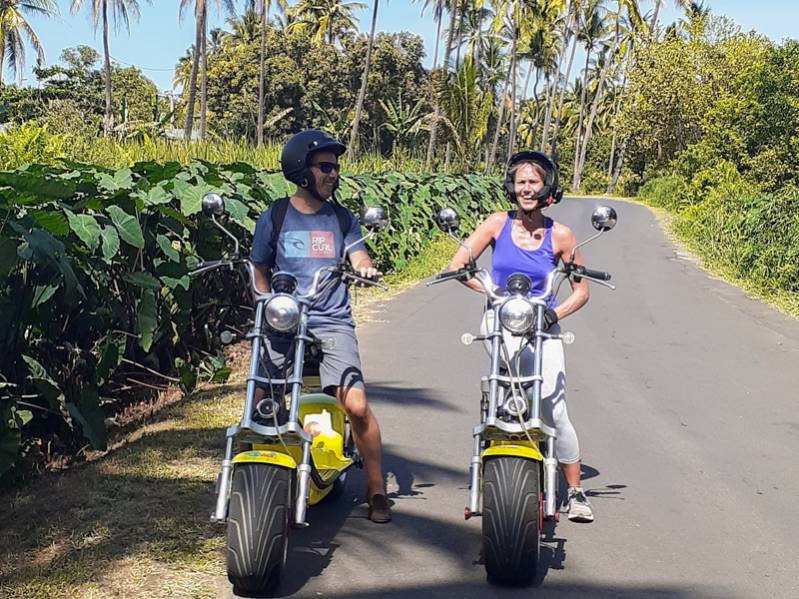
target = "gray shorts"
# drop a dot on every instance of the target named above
(340, 363)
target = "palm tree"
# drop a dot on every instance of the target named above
(265, 6)
(438, 13)
(353, 148)
(200, 51)
(634, 16)
(594, 26)
(122, 10)
(684, 4)
(14, 28)
(326, 18)
(571, 31)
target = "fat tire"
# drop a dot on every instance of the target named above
(258, 527)
(511, 529)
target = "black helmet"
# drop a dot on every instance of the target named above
(294, 159)
(550, 193)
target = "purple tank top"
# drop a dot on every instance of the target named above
(508, 258)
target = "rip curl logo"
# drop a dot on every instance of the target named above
(322, 244)
(309, 244)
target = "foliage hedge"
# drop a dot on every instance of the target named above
(95, 298)
(736, 227)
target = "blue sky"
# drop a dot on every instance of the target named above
(158, 40)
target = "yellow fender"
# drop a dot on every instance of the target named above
(260, 456)
(519, 449)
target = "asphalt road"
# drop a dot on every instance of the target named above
(683, 392)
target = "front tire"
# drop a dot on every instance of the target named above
(511, 525)
(258, 527)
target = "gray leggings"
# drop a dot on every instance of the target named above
(553, 389)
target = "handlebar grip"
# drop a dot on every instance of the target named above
(594, 274)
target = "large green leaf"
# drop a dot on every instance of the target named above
(142, 279)
(147, 319)
(8, 255)
(85, 226)
(38, 181)
(42, 294)
(155, 196)
(43, 248)
(90, 416)
(54, 221)
(127, 225)
(166, 247)
(190, 196)
(110, 242)
(174, 274)
(121, 179)
(111, 357)
(9, 438)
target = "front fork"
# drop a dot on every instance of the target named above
(550, 480)
(304, 467)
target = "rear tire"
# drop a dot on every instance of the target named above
(511, 530)
(258, 527)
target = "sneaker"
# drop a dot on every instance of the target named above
(577, 506)
(379, 510)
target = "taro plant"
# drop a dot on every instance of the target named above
(96, 303)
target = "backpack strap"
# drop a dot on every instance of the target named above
(343, 216)
(278, 216)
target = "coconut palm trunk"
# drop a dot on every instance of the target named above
(579, 137)
(574, 25)
(199, 11)
(108, 118)
(436, 110)
(493, 153)
(445, 76)
(265, 5)
(513, 107)
(353, 149)
(595, 104)
(654, 22)
(2, 53)
(204, 77)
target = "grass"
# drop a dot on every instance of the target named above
(134, 521)
(34, 143)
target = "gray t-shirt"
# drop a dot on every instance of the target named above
(306, 243)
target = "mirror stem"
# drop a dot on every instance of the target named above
(228, 233)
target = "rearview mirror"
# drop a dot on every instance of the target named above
(374, 219)
(603, 218)
(213, 204)
(447, 220)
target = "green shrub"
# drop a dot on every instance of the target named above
(663, 192)
(749, 233)
(95, 296)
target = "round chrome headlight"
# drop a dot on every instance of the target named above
(516, 315)
(282, 313)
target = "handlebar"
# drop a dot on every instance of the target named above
(344, 271)
(482, 276)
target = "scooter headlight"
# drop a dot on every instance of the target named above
(282, 313)
(517, 315)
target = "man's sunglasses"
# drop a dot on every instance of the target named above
(326, 167)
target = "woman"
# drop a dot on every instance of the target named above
(526, 241)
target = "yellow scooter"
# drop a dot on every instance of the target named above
(291, 449)
(514, 472)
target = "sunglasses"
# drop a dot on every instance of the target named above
(326, 167)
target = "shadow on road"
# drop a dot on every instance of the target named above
(397, 393)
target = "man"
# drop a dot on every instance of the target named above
(312, 234)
